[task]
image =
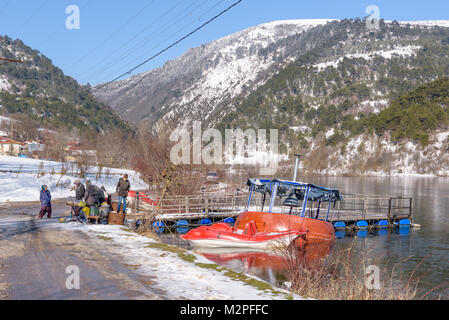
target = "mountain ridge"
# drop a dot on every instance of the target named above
(42, 91)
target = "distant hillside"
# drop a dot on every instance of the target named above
(352, 100)
(41, 91)
(414, 115)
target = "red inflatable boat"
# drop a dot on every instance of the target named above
(262, 229)
(222, 235)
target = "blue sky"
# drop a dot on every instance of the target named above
(114, 36)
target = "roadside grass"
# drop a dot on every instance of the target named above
(105, 238)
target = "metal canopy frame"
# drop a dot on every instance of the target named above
(307, 192)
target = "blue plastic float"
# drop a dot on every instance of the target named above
(182, 226)
(405, 223)
(383, 224)
(206, 221)
(340, 225)
(229, 221)
(158, 227)
(362, 224)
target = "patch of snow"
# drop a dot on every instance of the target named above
(377, 106)
(387, 54)
(4, 84)
(330, 133)
(5, 119)
(302, 129)
(441, 137)
(20, 181)
(426, 23)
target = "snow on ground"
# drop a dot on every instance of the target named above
(330, 133)
(376, 106)
(408, 159)
(4, 119)
(4, 84)
(387, 54)
(20, 180)
(426, 23)
(302, 129)
(179, 278)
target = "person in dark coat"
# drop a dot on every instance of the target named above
(122, 189)
(90, 196)
(107, 196)
(80, 190)
(45, 198)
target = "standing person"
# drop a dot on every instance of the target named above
(122, 189)
(90, 196)
(80, 190)
(45, 198)
(107, 196)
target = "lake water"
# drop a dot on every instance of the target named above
(427, 246)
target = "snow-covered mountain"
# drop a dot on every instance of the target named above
(195, 84)
(318, 81)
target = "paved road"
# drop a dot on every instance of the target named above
(35, 254)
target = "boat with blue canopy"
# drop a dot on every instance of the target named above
(298, 210)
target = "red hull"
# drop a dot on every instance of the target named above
(316, 230)
(257, 229)
(222, 234)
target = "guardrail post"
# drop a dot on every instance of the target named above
(410, 216)
(136, 203)
(364, 208)
(389, 210)
(187, 205)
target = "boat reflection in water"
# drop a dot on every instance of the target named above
(272, 265)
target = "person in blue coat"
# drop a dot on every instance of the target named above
(45, 198)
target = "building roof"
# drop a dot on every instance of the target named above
(4, 140)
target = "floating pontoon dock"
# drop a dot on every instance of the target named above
(212, 207)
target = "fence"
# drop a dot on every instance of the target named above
(351, 208)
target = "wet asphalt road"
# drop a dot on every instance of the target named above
(35, 254)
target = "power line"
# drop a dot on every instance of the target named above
(141, 44)
(113, 33)
(31, 17)
(172, 45)
(108, 66)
